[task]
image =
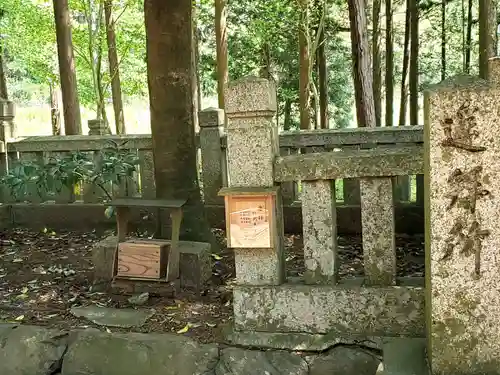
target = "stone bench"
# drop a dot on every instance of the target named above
(194, 263)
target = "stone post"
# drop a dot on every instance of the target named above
(252, 146)
(211, 125)
(7, 112)
(462, 201)
(98, 127)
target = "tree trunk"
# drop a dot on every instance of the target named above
(169, 51)
(414, 63)
(406, 63)
(377, 74)
(71, 104)
(287, 121)
(221, 41)
(4, 94)
(468, 38)
(487, 33)
(114, 69)
(323, 81)
(363, 84)
(443, 40)
(389, 65)
(55, 117)
(304, 62)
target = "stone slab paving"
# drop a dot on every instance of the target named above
(122, 318)
(404, 356)
(29, 350)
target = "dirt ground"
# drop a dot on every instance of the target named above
(44, 274)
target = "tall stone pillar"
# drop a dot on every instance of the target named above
(252, 146)
(462, 204)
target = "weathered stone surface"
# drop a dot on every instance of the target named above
(135, 353)
(377, 220)
(321, 309)
(250, 95)
(320, 231)
(463, 187)
(250, 152)
(103, 316)
(352, 136)
(345, 361)
(103, 257)
(27, 350)
(146, 165)
(250, 362)
(211, 159)
(298, 341)
(252, 145)
(194, 264)
(347, 164)
(403, 356)
(4, 214)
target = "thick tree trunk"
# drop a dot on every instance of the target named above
(363, 84)
(487, 35)
(443, 40)
(221, 41)
(55, 117)
(114, 69)
(71, 104)
(468, 38)
(377, 73)
(304, 62)
(169, 49)
(389, 65)
(323, 81)
(287, 116)
(414, 62)
(406, 63)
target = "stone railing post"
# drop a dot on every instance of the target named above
(211, 124)
(98, 127)
(7, 112)
(462, 199)
(252, 146)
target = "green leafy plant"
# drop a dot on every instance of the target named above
(108, 171)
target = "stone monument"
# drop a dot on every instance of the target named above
(462, 156)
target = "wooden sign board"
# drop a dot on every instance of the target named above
(250, 218)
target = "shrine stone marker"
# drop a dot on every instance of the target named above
(462, 152)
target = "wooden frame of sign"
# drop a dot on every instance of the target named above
(250, 217)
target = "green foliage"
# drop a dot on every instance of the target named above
(113, 166)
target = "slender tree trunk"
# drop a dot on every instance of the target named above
(169, 53)
(323, 81)
(287, 122)
(406, 63)
(377, 73)
(114, 69)
(221, 41)
(443, 40)
(304, 66)
(55, 116)
(363, 84)
(487, 32)
(196, 102)
(265, 61)
(4, 94)
(414, 63)
(71, 104)
(468, 38)
(389, 65)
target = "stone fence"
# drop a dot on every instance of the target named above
(212, 142)
(271, 307)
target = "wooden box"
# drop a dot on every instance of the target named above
(144, 259)
(250, 217)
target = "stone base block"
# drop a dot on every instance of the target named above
(155, 288)
(194, 265)
(5, 221)
(343, 309)
(297, 341)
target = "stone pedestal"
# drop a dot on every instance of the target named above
(462, 197)
(98, 127)
(252, 146)
(211, 125)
